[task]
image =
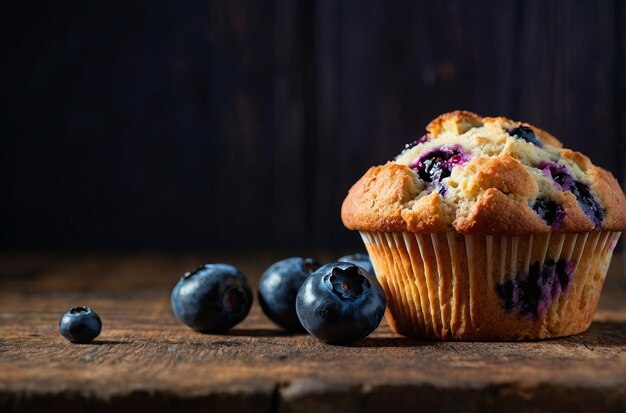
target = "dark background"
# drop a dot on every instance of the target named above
(242, 124)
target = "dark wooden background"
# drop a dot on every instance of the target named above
(242, 124)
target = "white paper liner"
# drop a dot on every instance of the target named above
(443, 286)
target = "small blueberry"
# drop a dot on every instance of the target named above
(80, 325)
(279, 287)
(212, 299)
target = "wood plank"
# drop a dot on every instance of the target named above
(292, 157)
(140, 110)
(564, 70)
(146, 359)
(619, 117)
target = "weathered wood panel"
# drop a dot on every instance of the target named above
(146, 360)
(242, 124)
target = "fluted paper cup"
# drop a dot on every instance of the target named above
(450, 286)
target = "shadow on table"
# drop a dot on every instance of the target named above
(107, 342)
(259, 332)
(398, 341)
(612, 327)
(390, 342)
(604, 334)
(601, 333)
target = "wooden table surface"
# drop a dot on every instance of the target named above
(144, 359)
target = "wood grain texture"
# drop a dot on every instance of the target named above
(145, 359)
(620, 89)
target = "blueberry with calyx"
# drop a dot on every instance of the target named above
(80, 325)
(340, 303)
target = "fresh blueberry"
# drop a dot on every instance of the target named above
(549, 211)
(80, 325)
(340, 303)
(212, 299)
(279, 287)
(526, 133)
(436, 164)
(362, 260)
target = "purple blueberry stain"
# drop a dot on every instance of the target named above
(525, 133)
(436, 164)
(565, 271)
(560, 174)
(442, 190)
(549, 211)
(532, 294)
(565, 181)
(588, 203)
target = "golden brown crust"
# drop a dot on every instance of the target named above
(578, 158)
(491, 191)
(495, 211)
(505, 174)
(426, 214)
(458, 122)
(377, 199)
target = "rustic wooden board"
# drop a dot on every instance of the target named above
(145, 359)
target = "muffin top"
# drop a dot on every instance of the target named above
(478, 175)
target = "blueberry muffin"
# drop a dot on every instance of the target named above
(488, 229)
